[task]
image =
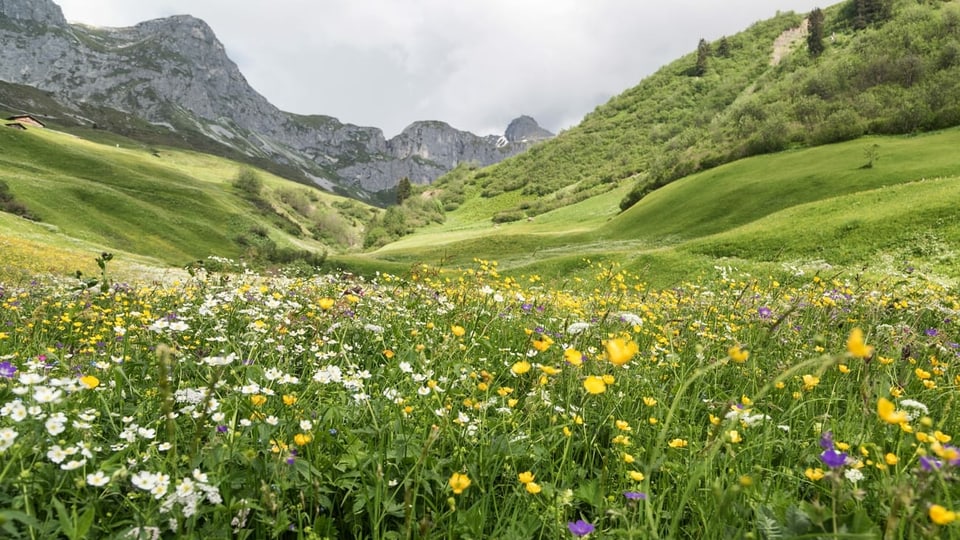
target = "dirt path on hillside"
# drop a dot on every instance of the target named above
(786, 41)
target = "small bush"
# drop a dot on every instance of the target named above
(508, 216)
(248, 182)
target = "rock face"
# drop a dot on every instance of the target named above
(175, 73)
(42, 12)
(525, 129)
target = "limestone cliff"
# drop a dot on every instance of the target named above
(175, 73)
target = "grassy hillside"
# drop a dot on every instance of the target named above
(171, 205)
(872, 202)
(895, 74)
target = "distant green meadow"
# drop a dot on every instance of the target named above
(467, 404)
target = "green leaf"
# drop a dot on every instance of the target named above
(796, 521)
(66, 524)
(85, 522)
(9, 517)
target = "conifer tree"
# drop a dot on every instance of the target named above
(703, 53)
(723, 48)
(403, 190)
(815, 37)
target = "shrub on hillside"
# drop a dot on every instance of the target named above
(10, 205)
(248, 182)
(508, 216)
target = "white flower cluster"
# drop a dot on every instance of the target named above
(162, 325)
(59, 456)
(745, 417)
(914, 409)
(190, 492)
(7, 436)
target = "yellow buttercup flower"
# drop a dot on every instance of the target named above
(942, 516)
(542, 344)
(459, 482)
(888, 413)
(637, 476)
(549, 370)
(525, 477)
(810, 382)
(620, 351)
(594, 385)
(326, 303)
(573, 357)
(738, 354)
(532, 488)
(520, 367)
(301, 439)
(458, 331)
(734, 436)
(677, 443)
(90, 381)
(814, 474)
(856, 346)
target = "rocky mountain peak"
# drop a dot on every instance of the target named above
(174, 73)
(37, 11)
(525, 129)
(180, 26)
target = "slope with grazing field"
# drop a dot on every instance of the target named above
(170, 205)
(893, 72)
(793, 201)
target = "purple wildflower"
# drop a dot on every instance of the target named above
(221, 429)
(635, 495)
(929, 463)
(764, 312)
(833, 459)
(826, 440)
(580, 527)
(7, 370)
(932, 332)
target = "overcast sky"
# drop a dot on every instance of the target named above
(475, 64)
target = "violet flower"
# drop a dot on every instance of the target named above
(580, 527)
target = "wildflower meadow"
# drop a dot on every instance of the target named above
(469, 404)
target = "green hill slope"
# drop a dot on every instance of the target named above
(171, 205)
(894, 74)
(814, 205)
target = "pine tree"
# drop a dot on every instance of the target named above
(723, 48)
(403, 190)
(703, 53)
(860, 14)
(867, 12)
(815, 37)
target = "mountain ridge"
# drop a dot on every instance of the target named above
(174, 73)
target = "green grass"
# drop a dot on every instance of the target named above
(744, 191)
(171, 205)
(470, 405)
(801, 206)
(895, 76)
